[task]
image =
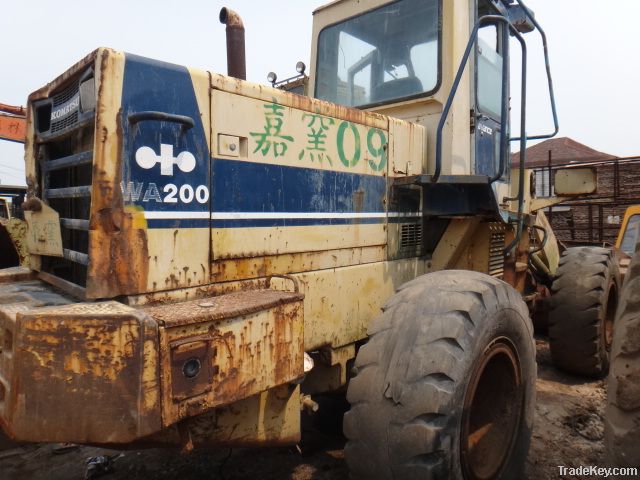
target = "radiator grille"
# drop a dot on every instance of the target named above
(66, 95)
(411, 236)
(64, 123)
(60, 99)
(65, 160)
(496, 255)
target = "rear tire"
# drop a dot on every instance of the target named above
(583, 304)
(451, 355)
(622, 420)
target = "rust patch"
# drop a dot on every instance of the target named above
(118, 245)
(121, 267)
(192, 367)
(217, 308)
(15, 274)
(80, 366)
(224, 349)
(282, 331)
(33, 204)
(186, 294)
(18, 232)
(270, 418)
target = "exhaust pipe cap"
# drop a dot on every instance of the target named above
(223, 15)
(230, 18)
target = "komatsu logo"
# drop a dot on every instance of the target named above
(66, 109)
(147, 158)
(484, 129)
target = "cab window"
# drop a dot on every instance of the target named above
(489, 73)
(381, 56)
(630, 237)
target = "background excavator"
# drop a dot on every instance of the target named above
(13, 123)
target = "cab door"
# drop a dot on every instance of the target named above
(491, 95)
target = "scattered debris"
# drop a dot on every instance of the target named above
(100, 465)
(588, 425)
(62, 448)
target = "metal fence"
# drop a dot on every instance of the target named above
(593, 219)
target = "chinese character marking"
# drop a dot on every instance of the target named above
(272, 135)
(317, 126)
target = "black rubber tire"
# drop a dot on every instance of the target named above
(407, 417)
(588, 281)
(622, 419)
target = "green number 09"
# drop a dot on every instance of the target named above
(356, 138)
(376, 145)
(377, 152)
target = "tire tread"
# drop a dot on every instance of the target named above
(578, 306)
(415, 404)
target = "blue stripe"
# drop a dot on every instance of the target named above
(241, 186)
(253, 223)
(178, 223)
(244, 187)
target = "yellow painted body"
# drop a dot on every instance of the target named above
(629, 212)
(221, 293)
(626, 243)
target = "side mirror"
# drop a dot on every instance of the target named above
(519, 18)
(575, 181)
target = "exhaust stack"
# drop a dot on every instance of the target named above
(236, 62)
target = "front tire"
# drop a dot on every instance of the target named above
(445, 387)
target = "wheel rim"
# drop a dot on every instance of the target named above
(609, 317)
(493, 408)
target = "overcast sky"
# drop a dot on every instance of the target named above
(594, 48)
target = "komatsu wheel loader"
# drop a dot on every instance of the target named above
(207, 254)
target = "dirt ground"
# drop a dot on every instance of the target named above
(568, 431)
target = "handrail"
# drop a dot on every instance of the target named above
(547, 63)
(185, 121)
(487, 19)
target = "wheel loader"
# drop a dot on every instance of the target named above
(622, 420)
(585, 299)
(208, 254)
(628, 237)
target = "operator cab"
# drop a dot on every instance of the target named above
(401, 58)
